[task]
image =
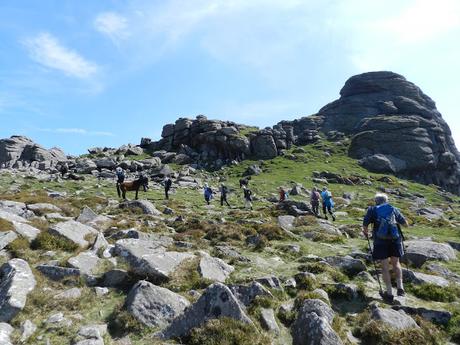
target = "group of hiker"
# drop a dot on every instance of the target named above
(388, 245)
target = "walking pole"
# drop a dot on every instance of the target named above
(404, 247)
(375, 266)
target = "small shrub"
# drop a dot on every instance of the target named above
(304, 295)
(327, 238)
(5, 225)
(431, 292)
(187, 277)
(120, 322)
(377, 333)
(305, 282)
(453, 328)
(18, 247)
(270, 231)
(226, 331)
(47, 241)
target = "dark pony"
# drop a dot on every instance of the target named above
(245, 181)
(128, 186)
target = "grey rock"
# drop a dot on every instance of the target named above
(347, 264)
(268, 320)
(214, 269)
(422, 278)
(57, 272)
(11, 217)
(87, 262)
(146, 206)
(271, 282)
(25, 230)
(41, 207)
(72, 293)
(252, 170)
(154, 306)
(100, 243)
(150, 258)
(5, 331)
(286, 222)
(217, 301)
(246, 294)
(398, 320)
(28, 328)
(73, 231)
(93, 331)
(17, 280)
(313, 325)
(420, 251)
(6, 238)
(116, 278)
(440, 317)
(101, 291)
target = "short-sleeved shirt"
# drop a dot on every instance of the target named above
(371, 217)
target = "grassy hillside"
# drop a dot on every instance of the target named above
(207, 226)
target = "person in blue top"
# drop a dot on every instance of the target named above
(328, 203)
(387, 238)
(208, 193)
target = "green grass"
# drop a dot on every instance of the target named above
(47, 241)
(431, 292)
(6, 225)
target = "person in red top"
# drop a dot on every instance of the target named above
(314, 201)
(282, 194)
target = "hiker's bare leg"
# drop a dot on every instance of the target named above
(386, 275)
(398, 272)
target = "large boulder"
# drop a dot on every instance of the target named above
(217, 301)
(16, 281)
(5, 331)
(214, 269)
(420, 251)
(154, 306)
(74, 231)
(396, 128)
(22, 149)
(396, 319)
(313, 325)
(150, 259)
(144, 205)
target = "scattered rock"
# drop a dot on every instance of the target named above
(439, 317)
(6, 238)
(398, 320)
(146, 206)
(57, 272)
(420, 251)
(73, 231)
(5, 331)
(28, 328)
(313, 325)
(217, 301)
(87, 262)
(347, 264)
(72, 293)
(268, 320)
(214, 269)
(17, 280)
(246, 294)
(154, 306)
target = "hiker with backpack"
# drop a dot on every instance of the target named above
(247, 195)
(167, 185)
(328, 203)
(223, 195)
(208, 193)
(120, 175)
(388, 241)
(314, 201)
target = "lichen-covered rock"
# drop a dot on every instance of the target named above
(74, 231)
(214, 269)
(146, 206)
(313, 325)
(420, 251)
(217, 301)
(5, 331)
(17, 280)
(398, 320)
(6, 237)
(154, 306)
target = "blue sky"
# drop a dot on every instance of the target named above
(78, 74)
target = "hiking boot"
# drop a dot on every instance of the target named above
(325, 217)
(401, 292)
(333, 218)
(387, 297)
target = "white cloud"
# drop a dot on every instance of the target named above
(45, 49)
(114, 25)
(79, 131)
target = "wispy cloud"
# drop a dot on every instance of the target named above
(113, 25)
(45, 49)
(79, 131)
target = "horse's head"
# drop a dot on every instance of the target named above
(144, 182)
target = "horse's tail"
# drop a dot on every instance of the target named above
(118, 190)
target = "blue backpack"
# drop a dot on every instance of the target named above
(388, 227)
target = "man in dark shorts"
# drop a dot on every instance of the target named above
(387, 240)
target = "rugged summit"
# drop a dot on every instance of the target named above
(395, 128)
(19, 151)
